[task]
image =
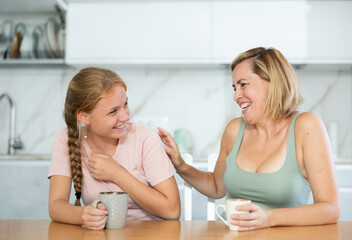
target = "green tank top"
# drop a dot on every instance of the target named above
(284, 188)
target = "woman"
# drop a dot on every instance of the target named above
(108, 154)
(272, 155)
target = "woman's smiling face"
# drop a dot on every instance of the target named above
(251, 92)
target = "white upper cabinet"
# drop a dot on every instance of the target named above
(206, 31)
(329, 31)
(304, 31)
(138, 32)
(242, 25)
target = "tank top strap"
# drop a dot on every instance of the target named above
(238, 139)
(291, 146)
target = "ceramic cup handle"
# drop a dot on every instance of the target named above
(217, 213)
(96, 202)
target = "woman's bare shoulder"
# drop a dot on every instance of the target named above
(229, 138)
(230, 133)
(307, 120)
(308, 126)
(233, 126)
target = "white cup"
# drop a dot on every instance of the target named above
(116, 203)
(230, 209)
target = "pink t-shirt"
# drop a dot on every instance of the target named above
(140, 152)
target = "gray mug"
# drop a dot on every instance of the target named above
(116, 203)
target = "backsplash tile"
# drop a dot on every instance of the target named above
(199, 100)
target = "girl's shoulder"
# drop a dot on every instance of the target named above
(62, 135)
(139, 128)
(141, 131)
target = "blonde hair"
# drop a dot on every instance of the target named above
(284, 93)
(85, 90)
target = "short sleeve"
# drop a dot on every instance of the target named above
(60, 162)
(156, 164)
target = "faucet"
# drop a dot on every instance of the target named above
(14, 143)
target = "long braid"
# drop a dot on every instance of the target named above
(74, 145)
(85, 90)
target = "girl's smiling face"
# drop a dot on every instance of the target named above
(108, 118)
(251, 92)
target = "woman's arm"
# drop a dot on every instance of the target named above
(315, 150)
(60, 210)
(162, 200)
(210, 184)
(313, 147)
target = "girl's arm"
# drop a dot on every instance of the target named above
(60, 210)
(161, 200)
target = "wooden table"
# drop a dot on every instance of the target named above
(45, 229)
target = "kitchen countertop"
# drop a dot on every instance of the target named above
(343, 161)
(198, 160)
(25, 157)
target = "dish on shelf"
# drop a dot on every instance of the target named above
(51, 31)
(61, 42)
(14, 48)
(38, 42)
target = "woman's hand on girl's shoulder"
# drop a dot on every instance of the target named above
(171, 148)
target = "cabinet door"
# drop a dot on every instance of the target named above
(241, 25)
(138, 32)
(304, 31)
(329, 31)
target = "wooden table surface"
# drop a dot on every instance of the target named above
(46, 229)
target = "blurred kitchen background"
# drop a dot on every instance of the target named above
(174, 57)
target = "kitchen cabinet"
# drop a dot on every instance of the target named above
(312, 32)
(207, 32)
(138, 33)
(238, 26)
(333, 40)
(25, 188)
(191, 32)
